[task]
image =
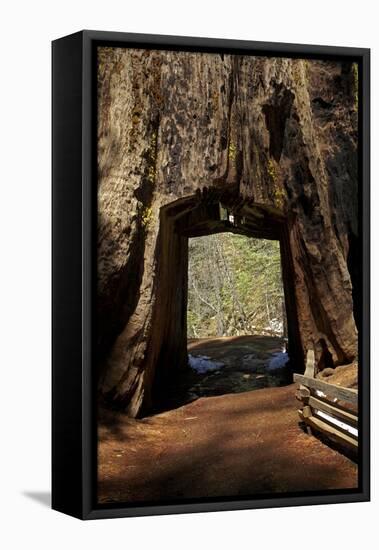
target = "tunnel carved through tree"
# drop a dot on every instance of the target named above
(257, 139)
(208, 212)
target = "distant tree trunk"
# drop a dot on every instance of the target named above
(284, 320)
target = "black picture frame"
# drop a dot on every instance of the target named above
(74, 268)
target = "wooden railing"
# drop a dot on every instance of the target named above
(328, 409)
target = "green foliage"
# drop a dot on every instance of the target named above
(235, 286)
(354, 69)
(147, 215)
(152, 159)
(271, 169)
(232, 152)
(279, 195)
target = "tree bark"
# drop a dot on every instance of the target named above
(174, 126)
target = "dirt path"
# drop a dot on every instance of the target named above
(232, 445)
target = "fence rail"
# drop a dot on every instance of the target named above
(328, 409)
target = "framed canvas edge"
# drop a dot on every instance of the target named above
(89, 41)
(149, 41)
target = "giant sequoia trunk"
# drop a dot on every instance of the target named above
(179, 135)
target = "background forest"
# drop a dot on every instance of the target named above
(234, 287)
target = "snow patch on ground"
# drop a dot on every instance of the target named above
(202, 364)
(275, 326)
(278, 360)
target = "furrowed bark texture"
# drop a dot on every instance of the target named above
(275, 140)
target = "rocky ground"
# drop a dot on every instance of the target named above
(228, 365)
(235, 444)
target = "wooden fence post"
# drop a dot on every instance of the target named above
(327, 408)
